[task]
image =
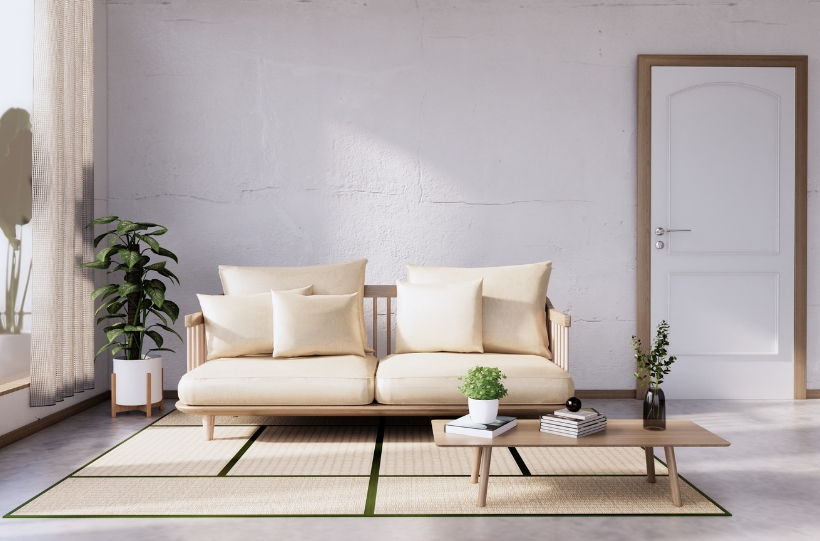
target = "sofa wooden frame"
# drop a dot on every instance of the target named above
(558, 324)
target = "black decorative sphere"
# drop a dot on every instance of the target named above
(574, 404)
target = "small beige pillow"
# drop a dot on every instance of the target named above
(514, 303)
(317, 325)
(439, 317)
(237, 325)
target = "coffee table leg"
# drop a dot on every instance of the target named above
(674, 483)
(476, 464)
(486, 455)
(650, 465)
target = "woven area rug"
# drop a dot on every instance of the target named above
(296, 466)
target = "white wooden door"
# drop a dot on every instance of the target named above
(722, 166)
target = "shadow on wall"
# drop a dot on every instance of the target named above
(15, 209)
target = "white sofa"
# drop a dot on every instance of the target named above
(398, 384)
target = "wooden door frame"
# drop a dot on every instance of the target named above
(644, 226)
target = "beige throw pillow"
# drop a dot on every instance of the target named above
(335, 279)
(438, 317)
(237, 325)
(514, 316)
(317, 325)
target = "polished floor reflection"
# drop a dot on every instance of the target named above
(769, 479)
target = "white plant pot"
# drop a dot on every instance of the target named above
(483, 411)
(15, 356)
(131, 380)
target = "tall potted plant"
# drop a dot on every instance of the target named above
(15, 212)
(137, 305)
(653, 365)
(483, 387)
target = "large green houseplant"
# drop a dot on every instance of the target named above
(139, 294)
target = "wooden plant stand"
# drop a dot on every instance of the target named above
(116, 408)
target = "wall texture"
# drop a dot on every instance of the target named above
(457, 132)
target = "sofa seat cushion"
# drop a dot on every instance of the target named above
(432, 378)
(343, 380)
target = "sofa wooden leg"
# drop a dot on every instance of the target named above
(208, 425)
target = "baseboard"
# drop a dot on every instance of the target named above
(812, 393)
(54, 418)
(606, 393)
(170, 394)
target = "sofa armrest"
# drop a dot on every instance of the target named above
(196, 345)
(192, 320)
(558, 324)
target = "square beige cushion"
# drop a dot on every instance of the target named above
(316, 325)
(514, 303)
(432, 378)
(240, 324)
(263, 381)
(438, 317)
(335, 279)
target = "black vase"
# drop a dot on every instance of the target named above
(654, 409)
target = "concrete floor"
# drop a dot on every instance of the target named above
(769, 479)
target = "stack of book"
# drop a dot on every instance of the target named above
(573, 424)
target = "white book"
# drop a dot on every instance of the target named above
(571, 422)
(582, 414)
(549, 426)
(467, 427)
(573, 434)
(553, 430)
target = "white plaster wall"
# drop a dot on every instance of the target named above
(452, 132)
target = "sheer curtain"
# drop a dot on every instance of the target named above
(62, 326)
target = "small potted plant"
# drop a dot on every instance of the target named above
(653, 365)
(137, 306)
(483, 387)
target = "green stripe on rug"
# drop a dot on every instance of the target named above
(373, 486)
(520, 461)
(232, 462)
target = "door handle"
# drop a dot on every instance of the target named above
(660, 231)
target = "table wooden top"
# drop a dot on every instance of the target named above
(618, 433)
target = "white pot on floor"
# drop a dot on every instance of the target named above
(131, 380)
(483, 411)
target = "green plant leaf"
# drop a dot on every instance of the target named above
(149, 241)
(156, 291)
(161, 349)
(143, 260)
(114, 333)
(111, 316)
(156, 266)
(110, 288)
(96, 265)
(98, 239)
(133, 328)
(102, 221)
(169, 329)
(171, 309)
(126, 226)
(161, 231)
(166, 253)
(128, 288)
(159, 315)
(129, 257)
(156, 337)
(115, 306)
(117, 349)
(168, 274)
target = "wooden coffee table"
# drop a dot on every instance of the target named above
(618, 433)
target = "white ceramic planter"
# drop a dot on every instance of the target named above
(15, 356)
(131, 380)
(483, 411)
